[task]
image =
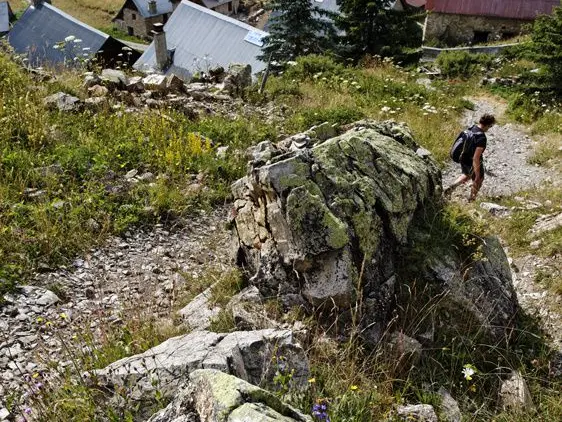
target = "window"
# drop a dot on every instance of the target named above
(480, 36)
(134, 16)
(230, 6)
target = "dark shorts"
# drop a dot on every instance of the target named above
(469, 171)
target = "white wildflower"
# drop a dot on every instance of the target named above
(77, 41)
(70, 38)
(468, 372)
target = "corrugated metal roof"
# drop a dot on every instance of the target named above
(4, 17)
(202, 39)
(162, 6)
(514, 9)
(38, 30)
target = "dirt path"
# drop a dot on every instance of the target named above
(508, 172)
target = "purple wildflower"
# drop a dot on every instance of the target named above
(27, 410)
(320, 411)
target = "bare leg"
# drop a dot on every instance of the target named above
(463, 178)
(474, 189)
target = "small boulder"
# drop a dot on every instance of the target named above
(418, 412)
(174, 83)
(98, 91)
(135, 84)
(199, 313)
(114, 79)
(62, 102)
(155, 82)
(514, 393)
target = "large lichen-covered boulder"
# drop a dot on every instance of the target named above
(321, 219)
(213, 396)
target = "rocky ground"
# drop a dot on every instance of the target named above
(150, 267)
(141, 274)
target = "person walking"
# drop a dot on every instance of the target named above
(472, 163)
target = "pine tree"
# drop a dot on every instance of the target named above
(297, 28)
(371, 27)
(545, 47)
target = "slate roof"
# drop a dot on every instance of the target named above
(40, 28)
(201, 39)
(6, 16)
(513, 9)
(162, 7)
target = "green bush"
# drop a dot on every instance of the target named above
(308, 66)
(462, 64)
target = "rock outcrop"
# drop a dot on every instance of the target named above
(213, 396)
(320, 221)
(254, 356)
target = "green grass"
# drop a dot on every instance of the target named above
(79, 160)
(75, 163)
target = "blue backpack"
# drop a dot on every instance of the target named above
(462, 146)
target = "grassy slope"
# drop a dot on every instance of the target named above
(92, 148)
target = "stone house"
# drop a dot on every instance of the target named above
(137, 17)
(453, 22)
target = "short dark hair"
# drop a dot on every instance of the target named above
(487, 120)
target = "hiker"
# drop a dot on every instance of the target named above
(472, 163)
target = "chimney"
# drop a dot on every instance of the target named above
(152, 7)
(160, 47)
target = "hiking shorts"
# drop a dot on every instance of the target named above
(468, 170)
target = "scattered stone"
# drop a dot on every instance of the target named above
(450, 411)
(4, 413)
(535, 244)
(114, 79)
(238, 78)
(62, 102)
(135, 85)
(98, 91)
(199, 313)
(91, 79)
(47, 299)
(514, 393)
(155, 82)
(494, 209)
(546, 223)
(418, 412)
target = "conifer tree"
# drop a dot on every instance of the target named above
(372, 27)
(545, 47)
(297, 28)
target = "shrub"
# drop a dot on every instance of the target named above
(454, 64)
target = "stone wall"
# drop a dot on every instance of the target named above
(463, 29)
(141, 27)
